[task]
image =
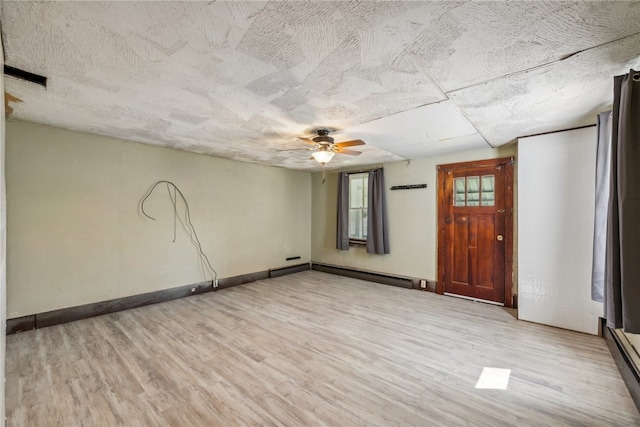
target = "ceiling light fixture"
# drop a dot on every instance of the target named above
(323, 155)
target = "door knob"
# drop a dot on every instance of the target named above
(500, 237)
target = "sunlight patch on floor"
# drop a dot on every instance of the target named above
(494, 378)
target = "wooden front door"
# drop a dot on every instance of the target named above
(475, 227)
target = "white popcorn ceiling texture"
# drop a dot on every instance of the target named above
(241, 80)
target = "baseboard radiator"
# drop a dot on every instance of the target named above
(278, 272)
(403, 282)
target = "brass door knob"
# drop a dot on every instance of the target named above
(500, 238)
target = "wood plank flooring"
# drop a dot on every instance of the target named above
(311, 349)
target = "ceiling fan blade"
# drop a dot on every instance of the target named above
(307, 140)
(296, 149)
(351, 143)
(345, 151)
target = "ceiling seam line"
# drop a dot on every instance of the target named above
(546, 64)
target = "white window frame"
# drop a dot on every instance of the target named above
(358, 209)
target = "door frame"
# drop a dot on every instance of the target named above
(443, 170)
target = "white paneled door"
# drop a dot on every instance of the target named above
(556, 190)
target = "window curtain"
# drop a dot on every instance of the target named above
(3, 243)
(603, 173)
(622, 268)
(377, 227)
(342, 234)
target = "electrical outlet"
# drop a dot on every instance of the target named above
(215, 283)
(423, 284)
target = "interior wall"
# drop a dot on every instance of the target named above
(412, 215)
(3, 239)
(557, 188)
(75, 235)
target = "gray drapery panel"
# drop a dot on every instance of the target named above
(342, 233)
(603, 173)
(377, 227)
(622, 270)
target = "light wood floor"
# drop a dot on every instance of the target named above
(311, 349)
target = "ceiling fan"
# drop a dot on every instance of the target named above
(326, 148)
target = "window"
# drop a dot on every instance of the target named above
(474, 191)
(358, 200)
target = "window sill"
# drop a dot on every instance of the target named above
(354, 242)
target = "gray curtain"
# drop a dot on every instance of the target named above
(377, 227)
(342, 234)
(603, 173)
(622, 269)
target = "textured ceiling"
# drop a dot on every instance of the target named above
(241, 80)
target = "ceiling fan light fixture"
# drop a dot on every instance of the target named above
(323, 156)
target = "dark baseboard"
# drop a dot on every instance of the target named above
(20, 324)
(386, 279)
(277, 272)
(64, 315)
(625, 365)
(242, 279)
(70, 314)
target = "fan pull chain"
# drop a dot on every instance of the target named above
(324, 173)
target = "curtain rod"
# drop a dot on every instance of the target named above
(355, 173)
(364, 171)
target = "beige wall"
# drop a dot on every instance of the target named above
(412, 218)
(75, 235)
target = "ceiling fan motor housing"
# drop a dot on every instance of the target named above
(323, 136)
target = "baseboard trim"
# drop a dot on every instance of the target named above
(20, 324)
(242, 279)
(278, 272)
(386, 279)
(625, 366)
(70, 314)
(64, 315)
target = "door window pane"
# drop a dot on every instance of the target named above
(459, 192)
(488, 192)
(473, 191)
